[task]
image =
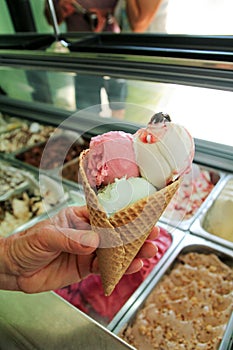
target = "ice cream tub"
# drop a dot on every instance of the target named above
(70, 171)
(27, 135)
(12, 180)
(27, 204)
(215, 222)
(8, 123)
(88, 295)
(43, 216)
(18, 209)
(192, 196)
(188, 304)
(51, 156)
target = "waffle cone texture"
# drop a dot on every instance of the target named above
(123, 234)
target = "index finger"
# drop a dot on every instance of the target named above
(154, 233)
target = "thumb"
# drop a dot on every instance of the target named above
(71, 240)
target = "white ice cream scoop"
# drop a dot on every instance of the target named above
(164, 150)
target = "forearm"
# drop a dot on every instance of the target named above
(63, 9)
(140, 13)
(8, 279)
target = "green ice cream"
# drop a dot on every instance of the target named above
(124, 192)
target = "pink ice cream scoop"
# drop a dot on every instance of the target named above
(111, 156)
(164, 150)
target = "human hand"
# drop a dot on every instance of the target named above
(56, 252)
(63, 9)
(50, 254)
(66, 7)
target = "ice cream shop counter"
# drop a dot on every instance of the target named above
(181, 298)
(26, 323)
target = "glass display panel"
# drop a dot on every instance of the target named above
(54, 88)
(206, 112)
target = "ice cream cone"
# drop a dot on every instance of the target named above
(122, 234)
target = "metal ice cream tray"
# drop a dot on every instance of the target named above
(8, 124)
(197, 226)
(9, 139)
(183, 223)
(50, 156)
(189, 244)
(15, 183)
(53, 195)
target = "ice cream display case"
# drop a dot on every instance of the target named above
(190, 79)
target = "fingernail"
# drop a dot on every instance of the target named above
(89, 239)
(155, 246)
(139, 264)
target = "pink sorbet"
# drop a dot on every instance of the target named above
(111, 156)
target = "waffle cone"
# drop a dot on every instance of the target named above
(123, 234)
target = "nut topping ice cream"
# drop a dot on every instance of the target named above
(188, 309)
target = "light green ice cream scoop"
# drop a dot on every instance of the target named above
(124, 192)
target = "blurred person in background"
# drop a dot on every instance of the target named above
(159, 21)
(140, 13)
(101, 16)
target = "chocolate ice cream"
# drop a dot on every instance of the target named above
(56, 152)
